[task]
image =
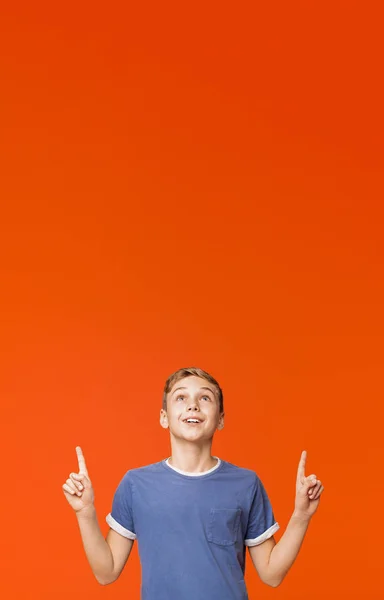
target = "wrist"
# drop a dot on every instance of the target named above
(88, 512)
(300, 517)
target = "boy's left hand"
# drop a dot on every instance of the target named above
(308, 491)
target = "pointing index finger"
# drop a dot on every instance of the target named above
(81, 460)
(301, 467)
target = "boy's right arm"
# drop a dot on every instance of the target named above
(106, 557)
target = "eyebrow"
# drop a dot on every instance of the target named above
(202, 388)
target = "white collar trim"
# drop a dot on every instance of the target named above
(194, 474)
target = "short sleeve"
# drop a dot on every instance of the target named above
(261, 522)
(121, 516)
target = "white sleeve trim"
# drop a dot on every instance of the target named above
(264, 536)
(119, 528)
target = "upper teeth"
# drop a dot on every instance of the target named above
(192, 421)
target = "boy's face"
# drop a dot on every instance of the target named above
(192, 398)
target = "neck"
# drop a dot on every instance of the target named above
(191, 458)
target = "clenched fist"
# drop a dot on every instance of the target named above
(78, 488)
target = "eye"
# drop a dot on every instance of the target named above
(207, 397)
(177, 397)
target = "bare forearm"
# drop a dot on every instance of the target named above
(96, 548)
(286, 550)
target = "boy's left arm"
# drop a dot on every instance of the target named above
(273, 560)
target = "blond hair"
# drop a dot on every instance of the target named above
(188, 372)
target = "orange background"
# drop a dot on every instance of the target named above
(191, 185)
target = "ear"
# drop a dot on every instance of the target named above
(221, 422)
(163, 419)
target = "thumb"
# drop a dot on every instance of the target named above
(80, 477)
(308, 482)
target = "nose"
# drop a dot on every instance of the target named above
(192, 405)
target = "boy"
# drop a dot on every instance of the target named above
(192, 514)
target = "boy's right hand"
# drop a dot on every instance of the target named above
(78, 488)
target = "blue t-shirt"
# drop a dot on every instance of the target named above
(192, 529)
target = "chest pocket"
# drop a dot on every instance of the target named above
(223, 525)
